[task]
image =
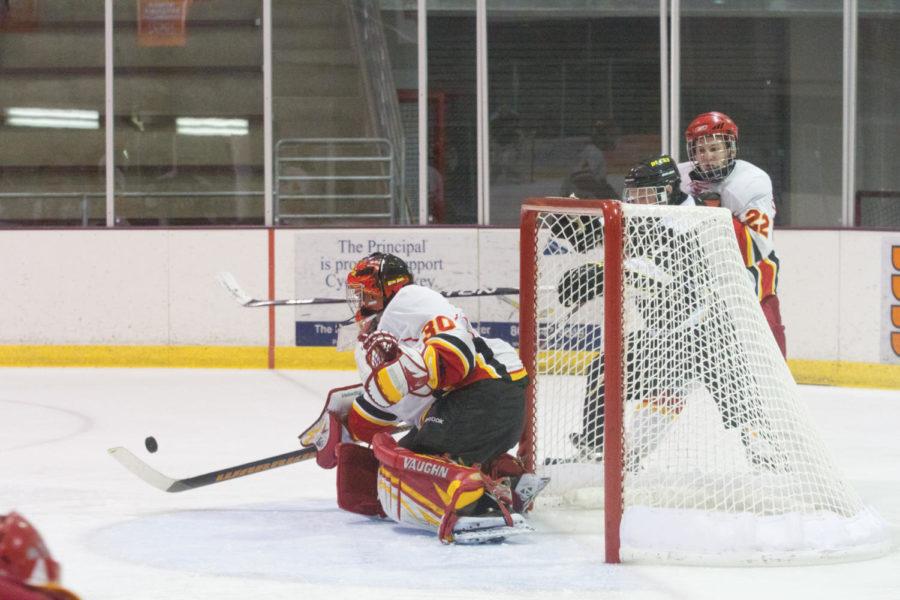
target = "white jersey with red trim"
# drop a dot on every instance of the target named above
(747, 193)
(453, 352)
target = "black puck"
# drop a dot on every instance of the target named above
(151, 444)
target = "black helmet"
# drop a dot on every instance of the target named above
(654, 181)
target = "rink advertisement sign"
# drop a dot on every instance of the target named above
(462, 259)
(890, 344)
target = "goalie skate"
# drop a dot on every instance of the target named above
(526, 490)
(488, 529)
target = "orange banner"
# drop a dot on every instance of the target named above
(162, 22)
(18, 15)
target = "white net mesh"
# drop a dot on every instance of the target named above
(721, 463)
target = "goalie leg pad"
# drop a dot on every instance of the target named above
(431, 493)
(420, 490)
(357, 480)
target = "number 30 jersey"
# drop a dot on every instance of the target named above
(453, 352)
(747, 193)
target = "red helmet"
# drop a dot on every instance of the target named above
(23, 554)
(374, 281)
(712, 145)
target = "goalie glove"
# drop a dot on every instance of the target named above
(395, 371)
(338, 402)
(580, 284)
(328, 430)
(325, 435)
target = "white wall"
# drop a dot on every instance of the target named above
(155, 287)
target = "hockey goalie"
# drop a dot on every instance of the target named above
(422, 365)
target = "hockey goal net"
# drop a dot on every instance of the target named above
(682, 422)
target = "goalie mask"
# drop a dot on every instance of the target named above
(653, 181)
(712, 145)
(23, 555)
(373, 282)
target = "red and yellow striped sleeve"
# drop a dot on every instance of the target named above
(449, 359)
(365, 420)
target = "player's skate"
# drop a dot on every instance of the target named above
(488, 529)
(760, 450)
(490, 520)
(590, 449)
(586, 451)
(526, 490)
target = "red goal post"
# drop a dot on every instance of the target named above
(611, 213)
(647, 351)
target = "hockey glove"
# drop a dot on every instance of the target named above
(710, 199)
(338, 402)
(584, 233)
(380, 347)
(325, 435)
(580, 285)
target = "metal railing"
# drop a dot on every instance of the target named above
(334, 178)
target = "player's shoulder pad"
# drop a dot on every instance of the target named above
(413, 298)
(750, 173)
(411, 308)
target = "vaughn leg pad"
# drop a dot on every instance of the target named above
(440, 495)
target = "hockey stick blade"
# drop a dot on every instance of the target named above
(168, 484)
(230, 283)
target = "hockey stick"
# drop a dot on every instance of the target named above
(230, 283)
(168, 484)
(127, 459)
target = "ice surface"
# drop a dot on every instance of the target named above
(279, 534)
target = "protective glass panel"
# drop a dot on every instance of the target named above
(51, 113)
(777, 71)
(574, 92)
(189, 112)
(877, 198)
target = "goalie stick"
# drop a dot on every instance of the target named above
(127, 459)
(230, 283)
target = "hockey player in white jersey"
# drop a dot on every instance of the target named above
(422, 364)
(687, 350)
(716, 177)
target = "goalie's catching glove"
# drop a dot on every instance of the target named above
(581, 284)
(395, 371)
(325, 435)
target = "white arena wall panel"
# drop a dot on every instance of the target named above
(157, 288)
(808, 289)
(139, 287)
